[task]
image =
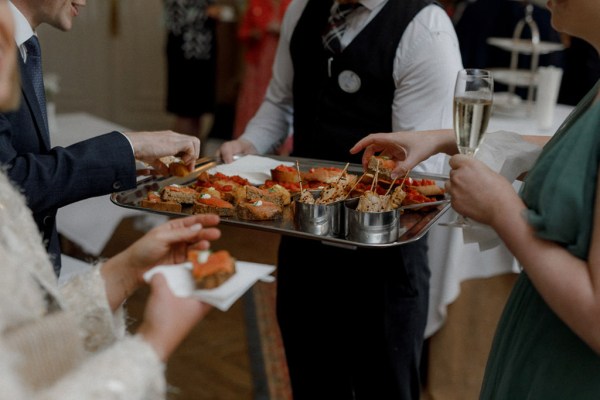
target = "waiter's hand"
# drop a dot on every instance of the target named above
(151, 146)
(229, 150)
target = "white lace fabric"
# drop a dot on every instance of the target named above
(99, 360)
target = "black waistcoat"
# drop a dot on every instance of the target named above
(328, 120)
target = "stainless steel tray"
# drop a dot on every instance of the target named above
(413, 224)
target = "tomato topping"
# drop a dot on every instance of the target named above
(285, 168)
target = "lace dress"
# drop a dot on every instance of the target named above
(61, 343)
(191, 57)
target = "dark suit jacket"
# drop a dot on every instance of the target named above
(53, 177)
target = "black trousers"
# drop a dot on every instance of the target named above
(352, 321)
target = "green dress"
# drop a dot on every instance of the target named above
(534, 354)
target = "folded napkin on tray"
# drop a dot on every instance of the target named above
(510, 155)
(181, 282)
(256, 169)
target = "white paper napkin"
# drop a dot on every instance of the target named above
(181, 283)
(510, 155)
(256, 169)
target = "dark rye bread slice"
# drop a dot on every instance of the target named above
(276, 194)
(206, 204)
(260, 210)
(168, 206)
(179, 194)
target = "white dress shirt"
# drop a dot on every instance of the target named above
(425, 67)
(23, 30)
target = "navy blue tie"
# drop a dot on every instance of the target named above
(33, 66)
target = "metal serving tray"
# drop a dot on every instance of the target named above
(413, 224)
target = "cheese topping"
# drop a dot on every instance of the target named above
(203, 256)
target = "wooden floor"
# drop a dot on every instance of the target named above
(213, 362)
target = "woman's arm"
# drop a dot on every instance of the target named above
(407, 148)
(165, 244)
(569, 285)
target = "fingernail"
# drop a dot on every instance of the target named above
(196, 227)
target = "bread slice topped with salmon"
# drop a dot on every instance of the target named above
(207, 203)
(426, 187)
(153, 201)
(175, 165)
(179, 194)
(259, 210)
(382, 166)
(323, 174)
(211, 269)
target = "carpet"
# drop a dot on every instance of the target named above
(267, 357)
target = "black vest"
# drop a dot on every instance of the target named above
(328, 121)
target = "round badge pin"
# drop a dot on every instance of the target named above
(349, 82)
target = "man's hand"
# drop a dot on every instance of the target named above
(235, 147)
(149, 147)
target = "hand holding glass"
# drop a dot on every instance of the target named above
(473, 96)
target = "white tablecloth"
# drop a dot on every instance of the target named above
(90, 223)
(451, 260)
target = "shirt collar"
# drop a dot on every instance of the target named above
(23, 30)
(371, 4)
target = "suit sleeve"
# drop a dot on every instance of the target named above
(61, 176)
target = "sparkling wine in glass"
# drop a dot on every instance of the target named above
(473, 97)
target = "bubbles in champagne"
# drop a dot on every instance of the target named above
(471, 116)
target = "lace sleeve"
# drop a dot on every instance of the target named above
(85, 297)
(129, 370)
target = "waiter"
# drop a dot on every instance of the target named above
(352, 320)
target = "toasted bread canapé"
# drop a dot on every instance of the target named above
(275, 194)
(260, 210)
(211, 269)
(179, 194)
(153, 201)
(323, 174)
(383, 165)
(208, 204)
(285, 174)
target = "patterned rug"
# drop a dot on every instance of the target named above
(267, 357)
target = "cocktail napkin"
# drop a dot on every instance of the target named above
(180, 281)
(509, 155)
(256, 169)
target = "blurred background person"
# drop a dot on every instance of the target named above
(259, 34)
(191, 64)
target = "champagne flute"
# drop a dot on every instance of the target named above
(473, 96)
